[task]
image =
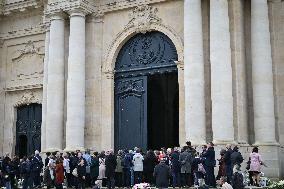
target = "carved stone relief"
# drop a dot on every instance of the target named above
(28, 97)
(142, 17)
(27, 62)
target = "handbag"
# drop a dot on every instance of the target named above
(201, 168)
(248, 165)
(75, 172)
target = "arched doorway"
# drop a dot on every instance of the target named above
(28, 129)
(146, 93)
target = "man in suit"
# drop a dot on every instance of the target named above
(209, 164)
(36, 165)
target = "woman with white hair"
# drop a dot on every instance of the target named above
(138, 166)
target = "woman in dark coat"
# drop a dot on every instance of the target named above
(209, 164)
(81, 170)
(175, 165)
(110, 162)
(222, 166)
(149, 163)
(59, 174)
(94, 168)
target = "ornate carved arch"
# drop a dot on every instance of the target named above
(142, 19)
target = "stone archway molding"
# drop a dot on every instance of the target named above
(142, 19)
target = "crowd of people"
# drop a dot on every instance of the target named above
(177, 167)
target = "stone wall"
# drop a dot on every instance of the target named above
(21, 69)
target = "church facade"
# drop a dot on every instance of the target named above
(101, 74)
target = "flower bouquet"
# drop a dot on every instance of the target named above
(277, 185)
(141, 186)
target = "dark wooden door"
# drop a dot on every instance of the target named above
(28, 129)
(131, 113)
(142, 55)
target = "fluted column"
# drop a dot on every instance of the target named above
(262, 76)
(221, 73)
(195, 124)
(76, 83)
(44, 91)
(55, 90)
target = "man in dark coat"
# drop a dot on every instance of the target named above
(162, 174)
(25, 168)
(175, 165)
(228, 163)
(95, 163)
(37, 165)
(81, 170)
(149, 163)
(185, 159)
(209, 164)
(236, 157)
(127, 164)
(110, 162)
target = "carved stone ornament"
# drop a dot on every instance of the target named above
(142, 17)
(27, 98)
(28, 49)
(27, 59)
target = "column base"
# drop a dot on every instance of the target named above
(74, 149)
(52, 150)
(224, 142)
(198, 143)
(266, 144)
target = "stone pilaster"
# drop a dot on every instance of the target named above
(262, 76)
(239, 70)
(44, 91)
(75, 123)
(221, 73)
(94, 46)
(195, 124)
(55, 91)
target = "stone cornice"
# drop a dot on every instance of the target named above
(33, 30)
(21, 88)
(20, 6)
(70, 5)
(125, 4)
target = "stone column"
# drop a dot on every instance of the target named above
(221, 73)
(44, 92)
(76, 83)
(239, 70)
(262, 76)
(195, 124)
(55, 90)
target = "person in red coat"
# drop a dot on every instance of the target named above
(59, 174)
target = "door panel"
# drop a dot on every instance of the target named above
(130, 113)
(28, 127)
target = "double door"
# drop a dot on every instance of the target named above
(28, 129)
